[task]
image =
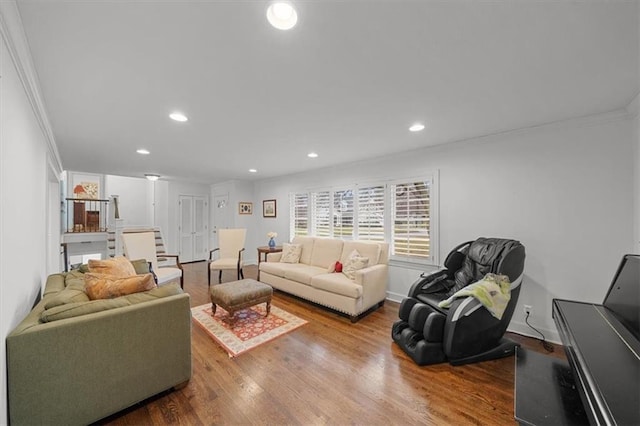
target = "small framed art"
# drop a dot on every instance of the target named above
(269, 208)
(245, 207)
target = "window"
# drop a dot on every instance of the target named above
(410, 234)
(399, 212)
(343, 214)
(299, 213)
(371, 213)
(321, 214)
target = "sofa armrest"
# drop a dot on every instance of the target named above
(374, 281)
(274, 257)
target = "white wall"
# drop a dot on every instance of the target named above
(24, 154)
(564, 190)
(237, 191)
(135, 199)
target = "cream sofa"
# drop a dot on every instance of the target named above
(311, 278)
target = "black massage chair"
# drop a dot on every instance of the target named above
(465, 332)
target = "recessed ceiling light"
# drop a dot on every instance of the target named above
(177, 116)
(312, 155)
(143, 151)
(152, 177)
(253, 171)
(282, 15)
(416, 127)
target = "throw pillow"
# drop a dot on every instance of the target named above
(338, 267)
(291, 253)
(100, 286)
(354, 263)
(119, 267)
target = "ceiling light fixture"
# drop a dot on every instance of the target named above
(143, 151)
(152, 177)
(178, 116)
(312, 155)
(416, 127)
(282, 15)
(253, 171)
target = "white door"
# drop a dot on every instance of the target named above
(193, 228)
(186, 228)
(200, 228)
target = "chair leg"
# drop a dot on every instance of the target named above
(209, 275)
(240, 274)
(220, 276)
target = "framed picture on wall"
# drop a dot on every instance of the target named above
(245, 207)
(269, 208)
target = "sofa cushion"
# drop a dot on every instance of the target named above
(337, 283)
(366, 249)
(141, 266)
(307, 248)
(71, 294)
(325, 252)
(277, 268)
(119, 267)
(101, 286)
(303, 273)
(354, 263)
(291, 253)
(76, 309)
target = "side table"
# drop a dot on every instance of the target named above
(264, 250)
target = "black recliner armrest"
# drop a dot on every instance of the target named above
(434, 282)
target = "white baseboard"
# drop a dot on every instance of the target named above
(395, 297)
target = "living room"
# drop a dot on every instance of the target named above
(566, 186)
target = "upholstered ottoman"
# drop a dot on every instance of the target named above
(236, 295)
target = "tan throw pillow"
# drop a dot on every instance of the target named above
(119, 267)
(100, 286)
(354, 263)
(291, 253)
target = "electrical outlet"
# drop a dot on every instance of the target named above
(528, 309)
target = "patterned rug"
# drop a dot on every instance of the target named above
(249, 329)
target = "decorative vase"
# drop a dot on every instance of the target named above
(272, 243)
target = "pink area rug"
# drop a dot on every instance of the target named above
(249, 329)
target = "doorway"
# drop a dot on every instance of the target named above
(193, 228)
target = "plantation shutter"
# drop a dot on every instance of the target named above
(371, 213)
(299, 213)
(411, 219)
(321, 214)
(343, 214)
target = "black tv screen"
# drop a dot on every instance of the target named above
(623, 298)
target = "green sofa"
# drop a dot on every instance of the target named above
(74, 361)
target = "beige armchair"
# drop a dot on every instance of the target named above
(231, 246)
(142, 245)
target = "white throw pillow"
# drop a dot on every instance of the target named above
(354, 263)
(291, 253)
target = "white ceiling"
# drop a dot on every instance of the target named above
(346, 82)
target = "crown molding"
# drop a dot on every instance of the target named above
(15, 39)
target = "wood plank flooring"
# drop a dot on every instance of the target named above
(328, 371)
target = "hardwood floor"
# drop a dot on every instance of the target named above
(329, 371)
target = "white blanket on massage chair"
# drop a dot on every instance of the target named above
(493, 291)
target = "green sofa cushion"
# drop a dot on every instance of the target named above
(71, 310)
(74, 293)
(141, 266)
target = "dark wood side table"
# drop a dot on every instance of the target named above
(264, 251)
